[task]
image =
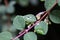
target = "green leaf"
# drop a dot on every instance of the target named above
(12, 29)
(10, 9)
(42, 0)
(19, 22)
(55, 16)
(29, 18)
(41, 28)
(5, 28)
(23, 2)
(4, 17)
(2, 9)
(49, 3)
(5, 36)
(59, 2)
(34, 2)
(30, 36)
(12, 3)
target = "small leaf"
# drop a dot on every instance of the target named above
(23, 2)
(49, 4)
(12, 29)
(5, 28)
(30, 36)
(41, 28)
(19, 22)
(4, 17)
(42, 0)
(5, 36)
(59, 2)
(10, 9)
(29, 18)
(2, 9)
(55, 16)
(34, 2)
(12, 3)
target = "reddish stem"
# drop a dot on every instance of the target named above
(46, 13)
(9, 18)
(6, 2)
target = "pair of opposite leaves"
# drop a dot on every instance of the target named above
(55, 14)
(7, 9)
(19, 23)
(26, 2)
(8, 36)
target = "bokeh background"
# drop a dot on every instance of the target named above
(54, 29)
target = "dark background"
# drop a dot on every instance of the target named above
(54, 29)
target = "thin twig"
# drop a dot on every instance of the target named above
(9, 18)
(6, 3)
(35, 23)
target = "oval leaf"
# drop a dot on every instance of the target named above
(34, 2)
(12, 29)
(49, 4)
(41, 28)
(23, 2)
(5, 28)
(10, 9)
(55, 16)
(30, 36)
(12, 3)
(5, 36)
(2, 9)
(29, 18)
(19, 22)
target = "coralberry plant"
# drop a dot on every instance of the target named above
(39, 22)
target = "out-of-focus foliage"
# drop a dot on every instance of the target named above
(24, 2)
(2, 9)
(5, 36)
(12, 3)
(59, 2)
(42, 0)
(34, 2)
(10, 9)
(11, 23)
